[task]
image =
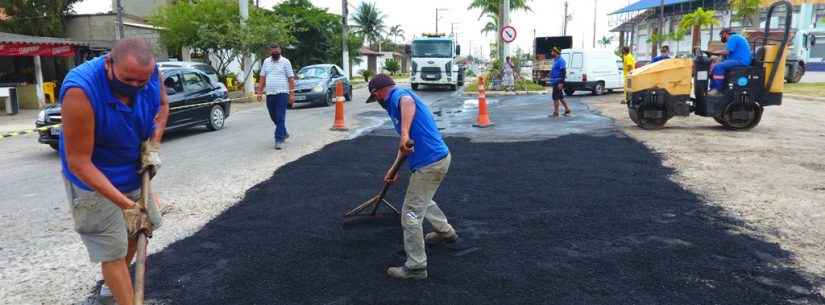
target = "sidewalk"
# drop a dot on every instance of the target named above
(20, 121)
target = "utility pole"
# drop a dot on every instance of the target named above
(595, 5)
(249, 87)
(436, 18)
(660, 30)
(505, 20)
(566, 17)
(345, 33)
(119, 9)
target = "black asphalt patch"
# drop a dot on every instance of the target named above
(572, 220)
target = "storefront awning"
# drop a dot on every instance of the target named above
(24, 45)
(647, 4)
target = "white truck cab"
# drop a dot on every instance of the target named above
(434, 62)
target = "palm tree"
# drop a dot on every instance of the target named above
(396, 31)
(492, 6)
(695, 21)
(369, 23)
(491, 26)
(747, 11)
(605, 41)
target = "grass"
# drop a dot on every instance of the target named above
(806, 89)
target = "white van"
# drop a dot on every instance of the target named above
(593, 70)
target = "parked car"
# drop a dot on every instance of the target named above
(591, 70)
(205, 68)
(316, 84)
(193, 100)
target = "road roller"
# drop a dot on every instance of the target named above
(657, 92)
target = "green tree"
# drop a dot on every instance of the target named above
(694, 22)
(605, 41)
(396, 32)
(369, 23)
(492, 7)
(213, 27)
(491, 26)
(392, 65)
(747, 11)
(36, 17)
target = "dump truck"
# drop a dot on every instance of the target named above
(541, 51)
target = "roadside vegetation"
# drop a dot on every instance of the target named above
(806, 89)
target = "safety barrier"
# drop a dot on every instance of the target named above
(339, 108)
(483, 120)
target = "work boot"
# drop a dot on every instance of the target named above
(402, 273)
(434, 238)
(714, 92)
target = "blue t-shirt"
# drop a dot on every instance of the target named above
(119, 129)
(739, 49)
(659, 58)
(429, 146)
(559, 71)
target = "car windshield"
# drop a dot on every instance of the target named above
(313, 72)
(442, 48)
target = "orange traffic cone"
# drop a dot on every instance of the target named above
(339, 108)
(483, 120)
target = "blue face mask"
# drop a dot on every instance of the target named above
(121, 88)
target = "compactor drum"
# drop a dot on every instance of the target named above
(657, 92)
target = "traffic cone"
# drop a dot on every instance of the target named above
(483, 120)
(339, 108)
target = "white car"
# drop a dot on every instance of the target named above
(203, 67)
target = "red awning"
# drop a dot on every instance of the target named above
(23, 49)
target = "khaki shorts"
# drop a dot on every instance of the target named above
(99, 222)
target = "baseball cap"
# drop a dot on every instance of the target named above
(378, 82)
(556, 49)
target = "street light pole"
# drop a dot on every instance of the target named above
(119, 10)
(595, 5)
(566, 16)
(344, 44)
(505, 20)
(436, 18)
(249, 87)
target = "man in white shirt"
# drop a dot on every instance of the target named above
(277, 81)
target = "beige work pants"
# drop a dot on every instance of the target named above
(419, 205)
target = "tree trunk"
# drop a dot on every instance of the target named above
(696, 38)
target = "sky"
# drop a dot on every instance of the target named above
(418, 16)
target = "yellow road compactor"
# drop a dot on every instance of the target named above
(676, 87)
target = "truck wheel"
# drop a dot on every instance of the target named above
(797, 74)
(54, 146)
(598, 89)
(453, 87)
(415, 86)
(569, 92)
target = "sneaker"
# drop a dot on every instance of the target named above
(279, 145)
(714, 92)
(624, 102)
(554, 115)
(568, 113)
(402, 273)
(434, 238)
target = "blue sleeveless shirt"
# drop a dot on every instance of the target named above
(119, 129)
(429, 146)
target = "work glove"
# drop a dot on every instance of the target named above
(149, 157)
(137, 221)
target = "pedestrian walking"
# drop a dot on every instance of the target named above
(114, 111)
(507, 74)
(429, 161)
(557, 76)
(277, 82)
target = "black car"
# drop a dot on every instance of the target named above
(316, 84)
(193, 100)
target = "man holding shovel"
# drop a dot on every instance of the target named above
(429, 161)
(114, 110)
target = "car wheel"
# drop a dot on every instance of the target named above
(348, 96)
(54, 146)
(598, 89)
(569, 92)
(453, 87)
(797, 74)
(217, 118)
(330, 98)
(415, 86)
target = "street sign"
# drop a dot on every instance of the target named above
(508, 34)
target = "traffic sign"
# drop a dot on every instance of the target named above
(508, 34)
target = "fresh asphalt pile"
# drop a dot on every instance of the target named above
(577, 219)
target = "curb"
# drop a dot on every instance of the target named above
(507, 93)
(805, 98)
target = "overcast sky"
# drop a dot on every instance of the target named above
(418, 16)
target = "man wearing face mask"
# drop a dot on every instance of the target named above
(429, 161)
(737, 54)
(114, 111)
(277, 81)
